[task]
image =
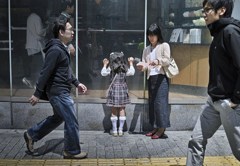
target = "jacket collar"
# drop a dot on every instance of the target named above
(218, 25)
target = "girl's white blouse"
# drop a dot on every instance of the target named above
(106, 71)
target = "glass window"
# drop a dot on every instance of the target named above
(102, 27)
(31, 29)
(184, 28)
(109, 26)
(4, 50)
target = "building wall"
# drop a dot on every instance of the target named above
(97, 116)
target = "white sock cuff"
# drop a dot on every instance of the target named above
(122, 118)
(113, 118)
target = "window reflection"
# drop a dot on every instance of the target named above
(4, 50)
(104, 26)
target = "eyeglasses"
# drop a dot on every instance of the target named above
(207, 10)
(70, 30)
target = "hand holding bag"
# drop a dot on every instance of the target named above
(171, 70)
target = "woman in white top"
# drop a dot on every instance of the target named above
(117, 95)
(35, 42)
(155, 56)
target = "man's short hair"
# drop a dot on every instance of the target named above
(217, 4)
(59, 24)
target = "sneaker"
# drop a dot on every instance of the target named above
(114, 133)
(120, 133)
(29, 142)
(81, 155)
(27, 82)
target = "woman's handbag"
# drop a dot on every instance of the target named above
(171, 70)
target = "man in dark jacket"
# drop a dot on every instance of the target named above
(54, 83)
(223, 104)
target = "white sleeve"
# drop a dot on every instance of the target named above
(105, 71)
(39, 27)
(131, 71)
(165, 60)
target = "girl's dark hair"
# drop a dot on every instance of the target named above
(217, 4)
(154, 29)
(59, 24)
(118, 63)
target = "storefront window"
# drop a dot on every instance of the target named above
(107, 26)
(4, 50)
(102, 27)
(184, 29)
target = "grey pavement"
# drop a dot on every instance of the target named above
(101, 145)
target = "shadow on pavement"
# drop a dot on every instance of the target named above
(53, 145)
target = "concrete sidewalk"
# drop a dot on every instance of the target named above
(104, 149)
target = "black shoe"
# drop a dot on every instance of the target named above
(81, 155)
(29, 142)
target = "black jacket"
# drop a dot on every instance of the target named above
(56, 75)
(224, 60)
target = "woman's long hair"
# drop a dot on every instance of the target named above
(154, 29)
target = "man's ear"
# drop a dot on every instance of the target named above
(222, 10)
(61, 32)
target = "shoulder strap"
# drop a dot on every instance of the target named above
(162, 50)
(162, 47)
(111, 84)
(113, 80)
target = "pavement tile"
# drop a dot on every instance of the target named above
(103, 149)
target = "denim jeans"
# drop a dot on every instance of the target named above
(63, 110)
(158, 90)
(213, 116)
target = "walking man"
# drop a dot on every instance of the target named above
(223, 104)
(54, 84)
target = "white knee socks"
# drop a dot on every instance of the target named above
(121, 122)
(114, 123)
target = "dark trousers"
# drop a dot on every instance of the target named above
(33, 66)
(158, 90)
(64, 110)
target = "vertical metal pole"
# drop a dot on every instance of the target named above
(144, 75)
(10, 57)
(10, 46)
(76, 55)
(76, 41)
(145, 42)
(126, 10)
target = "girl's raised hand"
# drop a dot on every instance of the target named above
(105, 61)
(130, 59)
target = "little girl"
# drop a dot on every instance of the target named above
(117, 95)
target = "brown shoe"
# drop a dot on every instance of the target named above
(158, 134)
(81, 155)
(151, 133)
(29, 142)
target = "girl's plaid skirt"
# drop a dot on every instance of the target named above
(118, 93)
